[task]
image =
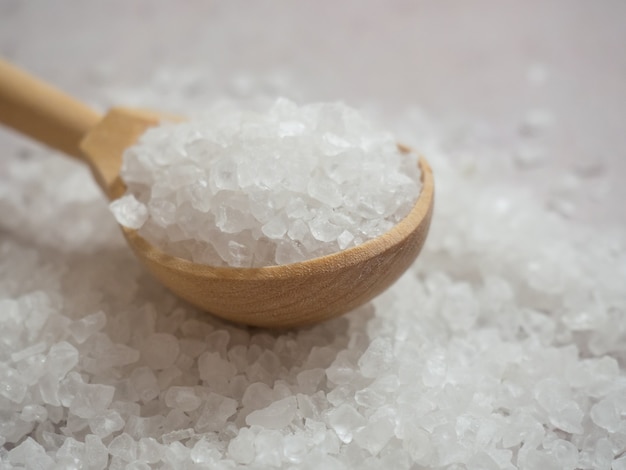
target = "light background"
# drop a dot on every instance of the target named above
(454, 59)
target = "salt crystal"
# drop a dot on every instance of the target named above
(177, 435)
(275, 416)
(324, 230)
(619, 463)
(309, 380)
(129, 212)
(345, 420)
(217, 410)
(307, 155)
(149, 450)
(344, 239)
(86, 326)
(241, 448)
(96, 453)
(34, 413)
(91, 399)
(377, 358)
(602, 455)
(565, 453)
(30, 454)
(605, 414)
(204, 453)
(211, 366)
(375, 435)
(72, 453)
(61, 358)
(269, 448)
(106, 423)
(124, 447)
(183, 398)
(12, 385)
(160, 350)
(28, 352)
(295, 448)
(145, 384)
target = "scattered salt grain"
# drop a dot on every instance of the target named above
(245, 189)
(124, 447)
(182, 398)
(129, 212)
(345, 420)
(276, 416)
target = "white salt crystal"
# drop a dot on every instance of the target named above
(34, 413)
(377, 358)
(145, 384)
(61, 358)
(28, 352)
(149, 450)
(12, 385)
(305, 159)
(204, 453)
(345, 420)
(160, 350)
(96, 453)
(324, 230)
(31, 455)
(129, 212)
(375, 435)
(91, 399)
(241, 448)
(182, 398)
(619, 463)
(217, 410)
(602, 455)
(87, 326)
(211, 366)
(269, 448)
(605, 414)
(309, 380)
(565, 453)
(295, 448)
(277, 415)
(177, 435)
(106, 423)
(124, 447)
(72, 453)
(344, 239)
(417, 443)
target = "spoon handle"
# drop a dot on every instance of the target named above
(36, 109)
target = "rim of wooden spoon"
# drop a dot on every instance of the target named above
(410, 231)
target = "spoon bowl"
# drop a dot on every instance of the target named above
(281, 296)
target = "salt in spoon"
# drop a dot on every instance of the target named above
(283, 296)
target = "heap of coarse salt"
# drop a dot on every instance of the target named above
(246, 189)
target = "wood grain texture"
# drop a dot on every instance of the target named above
(42, 112)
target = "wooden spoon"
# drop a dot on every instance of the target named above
(275, 296)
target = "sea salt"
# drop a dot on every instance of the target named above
(502, 347)
(129, 212)
(244, 189)
(275, 416)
